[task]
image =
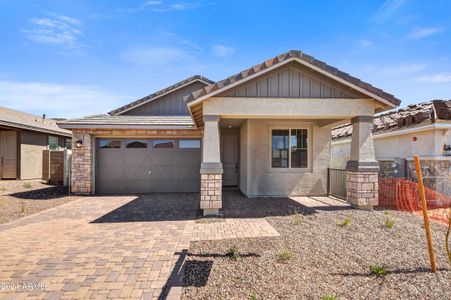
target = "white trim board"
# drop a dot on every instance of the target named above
(287, 61)
(399, 132)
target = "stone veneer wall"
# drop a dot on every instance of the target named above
(82, 163)
(211, 191)
(82, 179)
(362, 189)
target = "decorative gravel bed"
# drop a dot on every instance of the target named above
(327, 260)
(22, 198)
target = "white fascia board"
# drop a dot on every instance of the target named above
(400, 132)
(308, 65)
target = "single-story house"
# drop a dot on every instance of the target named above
(265, 130)
(422, 129)
(23, 137)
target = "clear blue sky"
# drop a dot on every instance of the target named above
(76, 58)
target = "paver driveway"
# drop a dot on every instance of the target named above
(109, 247)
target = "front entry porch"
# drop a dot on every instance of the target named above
(281, 158)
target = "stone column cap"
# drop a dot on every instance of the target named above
(211, 168)
(362, 166)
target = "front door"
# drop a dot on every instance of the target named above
(8, 154)
(229, 156)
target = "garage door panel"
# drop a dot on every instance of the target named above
(125, 170)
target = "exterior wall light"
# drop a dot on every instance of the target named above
(78, 144)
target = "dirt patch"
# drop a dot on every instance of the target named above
(22, 198)
(328, 258)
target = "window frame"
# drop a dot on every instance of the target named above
(189, 148)
(309, 147)
(153, 148)
(121, 143)
(57, 142)
(144, 141)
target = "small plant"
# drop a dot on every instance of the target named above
(253, 296)
(285, 255)
(378, 270)
(329, 297)
(389, 221)
(298, 218)
(27, 185)
(346, 221)
(22, 207)
(234, 252)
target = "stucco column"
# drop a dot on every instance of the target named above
(211, 167)
(362, 168)
(82, 163)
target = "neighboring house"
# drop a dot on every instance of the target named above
(265, 130)
(422, 129)
(23, 137)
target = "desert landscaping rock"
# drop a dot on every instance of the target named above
(22, 198)
(328, 259)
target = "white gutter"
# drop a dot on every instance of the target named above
(400, 132)
(124, 126)
(33, 128)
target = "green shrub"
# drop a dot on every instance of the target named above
(346, 221)
(27, 185)
(285, 255)
(378, 270)
(329, 297)
(253, 296)
(390, 222)
(234, 252)
(298, 218)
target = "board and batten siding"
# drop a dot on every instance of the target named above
(293, 82)
(171, 104)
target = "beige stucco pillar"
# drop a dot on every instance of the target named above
(362, 168)
(211, 167)
(82, 163)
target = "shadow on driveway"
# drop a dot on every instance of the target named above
(185, 206)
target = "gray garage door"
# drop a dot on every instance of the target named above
(147, 165)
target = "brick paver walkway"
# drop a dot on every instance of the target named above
(115, 247)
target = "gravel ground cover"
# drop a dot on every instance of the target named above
(21, 198)
(322, 256)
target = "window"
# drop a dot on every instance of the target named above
(280, 148)
(289, 148)
(109, 144)
(53, 142)
(136, 144)
(68, 143)
(163, 144)
(189, 144)
(298, 148)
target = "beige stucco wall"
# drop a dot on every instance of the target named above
(32, 145)
(262, 180)
(429, 144)
(244, 150)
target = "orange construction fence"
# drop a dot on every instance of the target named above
(402, 194)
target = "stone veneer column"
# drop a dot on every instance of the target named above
(362, 168)
(211, 168)
(82, 163)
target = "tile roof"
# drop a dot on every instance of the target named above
(414, 115)
(132, 121)
(17, 119)
(286, 56)
(160, 93)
